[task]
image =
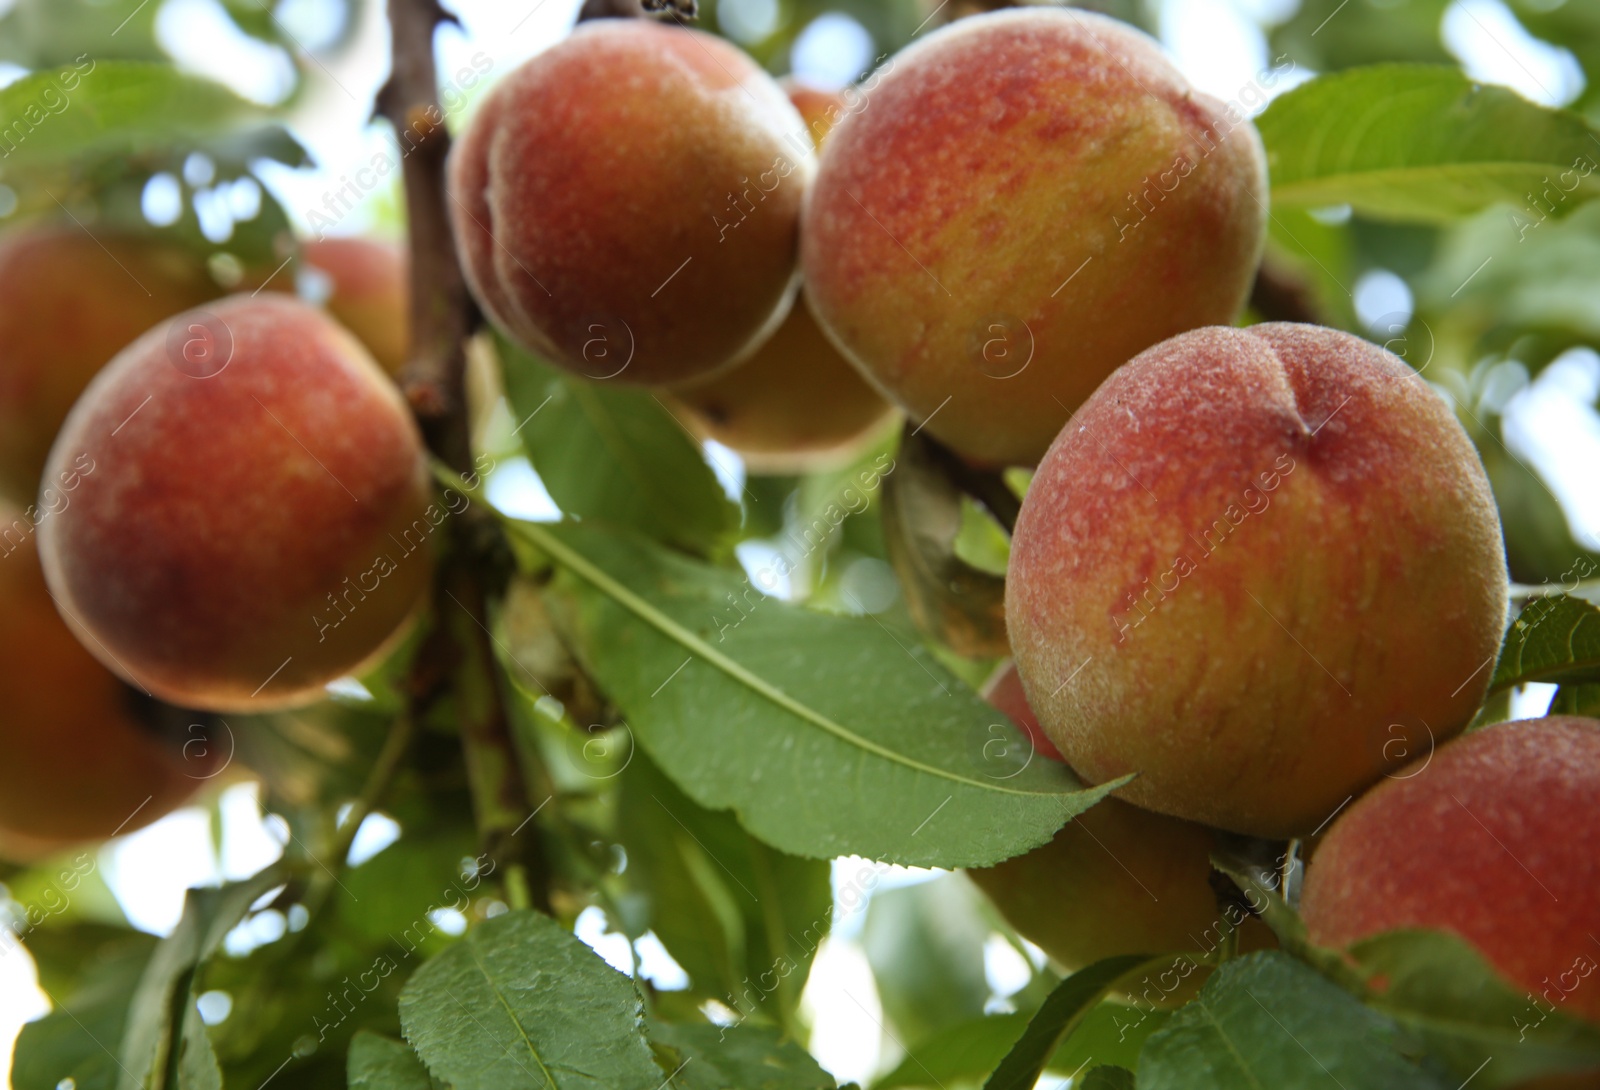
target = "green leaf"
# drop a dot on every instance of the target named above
(344, 971)
(197, 1061)
(1108, 1078)
(827, 735)
(53, 896)
(1553, 639)
(107, 110)
(1320, 256)
(1440, 988)
(615, 454)
(382, 1063)
(925, 945)
(1063, 1010)
(1576, 700)
(963, 1053)
(740, 1057)
(1419, 142)
(67, 952)
(80, 1037)
(159, 1024)
(46, 33)
(949, 599)
(1267, 1020)
(391, 896)
(1509, 272)
(1330, 34)
(1576, 27)
(1540, 545)
(520, 1004)
(742, 919)
(1112, 1032)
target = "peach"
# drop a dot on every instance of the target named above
(69, 301)
(1024, 201)
(819, 108)
(792, 407)
(75, 763)
(1480, 838)
(253, 516)
(1115, 880)
(796, 403)
(627, 202)
(368, 293)
(1259, 568)
(1004, 690)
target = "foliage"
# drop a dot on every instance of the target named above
(719, 713)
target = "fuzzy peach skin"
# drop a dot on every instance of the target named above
(1260, 568)
(68, 303)
(1004, 691)
(1024, 201)
(796, 403)
(795, 406)
(628, 202)
(75, 766)
(1115, 880)
(368, 293)
(819, 108)
(1480, 838)
(244, 538)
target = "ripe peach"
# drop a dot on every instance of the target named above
(796, 401)
(1024, 201)
(369, 293)
(1479, 839)
(820, 109)
(792, 406)
(1004, 691)
(74, 763)
(1258, 569)
(1115, 880)
(69, 301)
(628, 202)
(255, 521)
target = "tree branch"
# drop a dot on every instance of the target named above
(443, 314)
(610, 9)
(459, 654)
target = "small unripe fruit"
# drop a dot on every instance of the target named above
(1115, 880)
(1024, 201)
(1487, 838)
(627, 202)
(68, 303)
(368, 293)
(1259, 569)
(74, 764)
(255, 521)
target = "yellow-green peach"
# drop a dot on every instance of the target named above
(1115, 880)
